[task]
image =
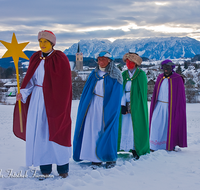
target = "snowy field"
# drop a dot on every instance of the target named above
(161, 170)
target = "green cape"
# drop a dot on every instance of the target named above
(139, 111)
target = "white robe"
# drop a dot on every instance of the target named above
(39, 150)
(93, 123)
(159, 124)
(127, 136)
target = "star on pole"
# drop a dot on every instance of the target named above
(15, 51)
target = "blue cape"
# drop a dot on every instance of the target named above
(106, 147)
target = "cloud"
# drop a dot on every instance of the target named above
(72, 21)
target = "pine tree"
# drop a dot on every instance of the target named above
(179, 70)
(196, 66)
(185, 64)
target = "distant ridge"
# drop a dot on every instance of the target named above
(152, 48)
(8, 62)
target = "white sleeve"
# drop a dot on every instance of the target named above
(27, 91)
(123, 100)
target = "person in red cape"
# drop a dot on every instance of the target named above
(168, 125)
(46, 95)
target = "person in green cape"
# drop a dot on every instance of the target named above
(133, 133)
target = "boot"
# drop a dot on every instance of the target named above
(63, 175)
(95, 165)
(135, 156)
(110, 164)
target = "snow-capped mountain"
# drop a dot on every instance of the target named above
(152, 48)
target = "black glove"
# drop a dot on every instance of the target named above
(123, 110)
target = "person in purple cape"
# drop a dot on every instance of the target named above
(168, 127)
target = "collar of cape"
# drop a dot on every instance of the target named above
(127, 77)
(40, 54)
(174, 75)
(112, 71)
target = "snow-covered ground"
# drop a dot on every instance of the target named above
(161, 170)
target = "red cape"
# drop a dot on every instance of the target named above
(57, 89)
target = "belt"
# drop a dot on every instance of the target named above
(162, 101)
(38, 85)
(98, 95)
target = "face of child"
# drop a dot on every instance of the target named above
(45, 45)
(167, 69)
(103, 61)
(130, 65)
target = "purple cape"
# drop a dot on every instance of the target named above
(177, 127)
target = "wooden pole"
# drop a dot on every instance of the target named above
(19, 102)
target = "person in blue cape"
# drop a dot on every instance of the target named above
(96, 131)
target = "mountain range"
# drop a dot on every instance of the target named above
(152, 48)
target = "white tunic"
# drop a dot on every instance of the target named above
(39, 150)
(93, 123)
(159, 123)
(127, 136)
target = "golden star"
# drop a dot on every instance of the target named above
(15, 50)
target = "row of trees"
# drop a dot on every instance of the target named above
(78, 83)
(186, 65)
(7, 73)
(190, 90)
(1, 95)
(188, 75)
(77, 86)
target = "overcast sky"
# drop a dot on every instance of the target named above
(73, 20)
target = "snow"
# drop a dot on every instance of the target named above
(10, 100)
(25, 64)
(9, 83)
(183, 55)
(140, 53)
(160, 170)
(72, 65)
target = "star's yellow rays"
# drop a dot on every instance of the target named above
(15, 51)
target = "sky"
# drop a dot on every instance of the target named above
(74, 20)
